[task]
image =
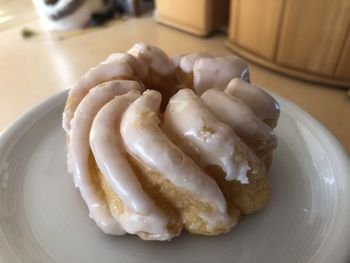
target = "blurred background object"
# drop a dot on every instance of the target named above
(199, 17)
(77, 14)
(68, 14)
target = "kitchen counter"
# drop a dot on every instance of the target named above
(33, 69)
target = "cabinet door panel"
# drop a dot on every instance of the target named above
(254, 25)
(312, 34)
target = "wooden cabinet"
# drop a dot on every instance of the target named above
(304, 38)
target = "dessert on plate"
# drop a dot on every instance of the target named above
(159, 144)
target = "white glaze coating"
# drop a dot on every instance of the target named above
(187, 62)
(203, 137)
(140, 214)
(145, 140)
(140, 68)
(235, 113)
(154, 57)
(79, 150)
(216, 73)
(259, 101)
(94, 77)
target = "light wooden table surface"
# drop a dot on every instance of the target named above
(33, 69)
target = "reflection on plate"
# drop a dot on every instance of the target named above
(43, 218)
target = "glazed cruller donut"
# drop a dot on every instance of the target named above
(158, 144)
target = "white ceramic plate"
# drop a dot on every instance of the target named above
(43, 218)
